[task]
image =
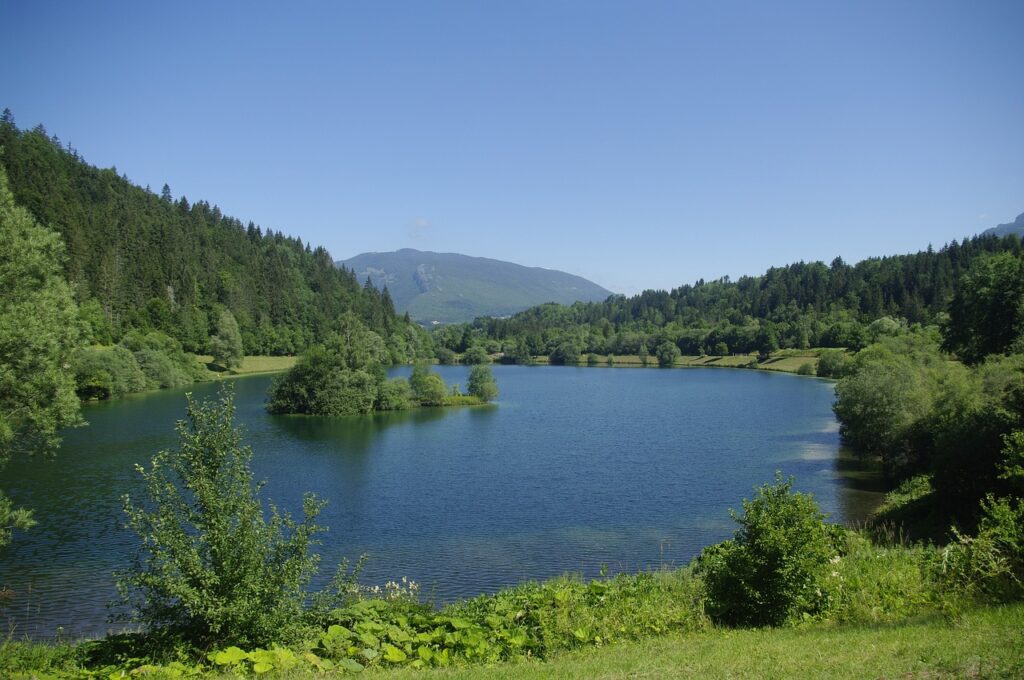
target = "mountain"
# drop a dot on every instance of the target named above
(1015, 227)
(451, 288)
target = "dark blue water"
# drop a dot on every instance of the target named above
(572, 469)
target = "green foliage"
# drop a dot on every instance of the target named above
(870, 584)
(920, 412)
(805, 369)
(833, 363)
(428, 387)
(394, 395)
(12, 519)
(38, 334)
(445, 356)
(986, 315)
(105, 372)
(321, 384)
(226, 342)
(773, 568)
(881, 403)
(567, 353)
(211, 567)
(989, 565)
(153, 263)
(667, 353)
(96, 328)
(482, 384)
(476, 355)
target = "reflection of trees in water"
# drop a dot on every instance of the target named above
(353, 433)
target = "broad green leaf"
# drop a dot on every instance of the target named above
(350, 666)
(232, 656)
(394, 654)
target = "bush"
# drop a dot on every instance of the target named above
(161, 370)
(476, 355)
(773, 568)
(428, 388)
(833, 363)
(805, 369)
(445, 356)
(211, 568)
(870, 584)
(104, 372)
(567, 353)
(394, 395)
(990, 565)
(482, 384)
(667, 353)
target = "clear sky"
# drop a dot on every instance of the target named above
(638, 144)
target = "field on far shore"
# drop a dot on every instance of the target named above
(786, 361)
(256, 364)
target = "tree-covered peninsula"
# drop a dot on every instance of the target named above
(345, 375)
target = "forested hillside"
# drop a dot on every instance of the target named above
(144, 261)
(800, 305)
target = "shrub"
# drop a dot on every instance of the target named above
(482, 384)
(394, 395)
(990, 565)
(444, 356)
(871, 584)
(428, 388)
(476, 355)
(805, 369)
(104, 372)
(211, 568)
(567, 353)
(667, 353)
(833, 363)
(773, 567)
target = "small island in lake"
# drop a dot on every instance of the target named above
(346, 376)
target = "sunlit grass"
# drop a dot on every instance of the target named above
(256, 364)
(986, 643)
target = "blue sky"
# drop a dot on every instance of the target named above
(642, 145)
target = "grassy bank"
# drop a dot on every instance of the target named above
(986, 643)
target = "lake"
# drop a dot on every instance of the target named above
(573, 469)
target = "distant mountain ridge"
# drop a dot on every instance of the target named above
(452, 288)
(1015, 227)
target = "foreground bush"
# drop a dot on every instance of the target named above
(773, 568)
(211, 568)
(990, 565)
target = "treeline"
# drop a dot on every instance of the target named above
(147, 262)
(798, 306)
(945, 411)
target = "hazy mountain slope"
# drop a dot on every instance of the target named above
(1015, 227)
(450, 288)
